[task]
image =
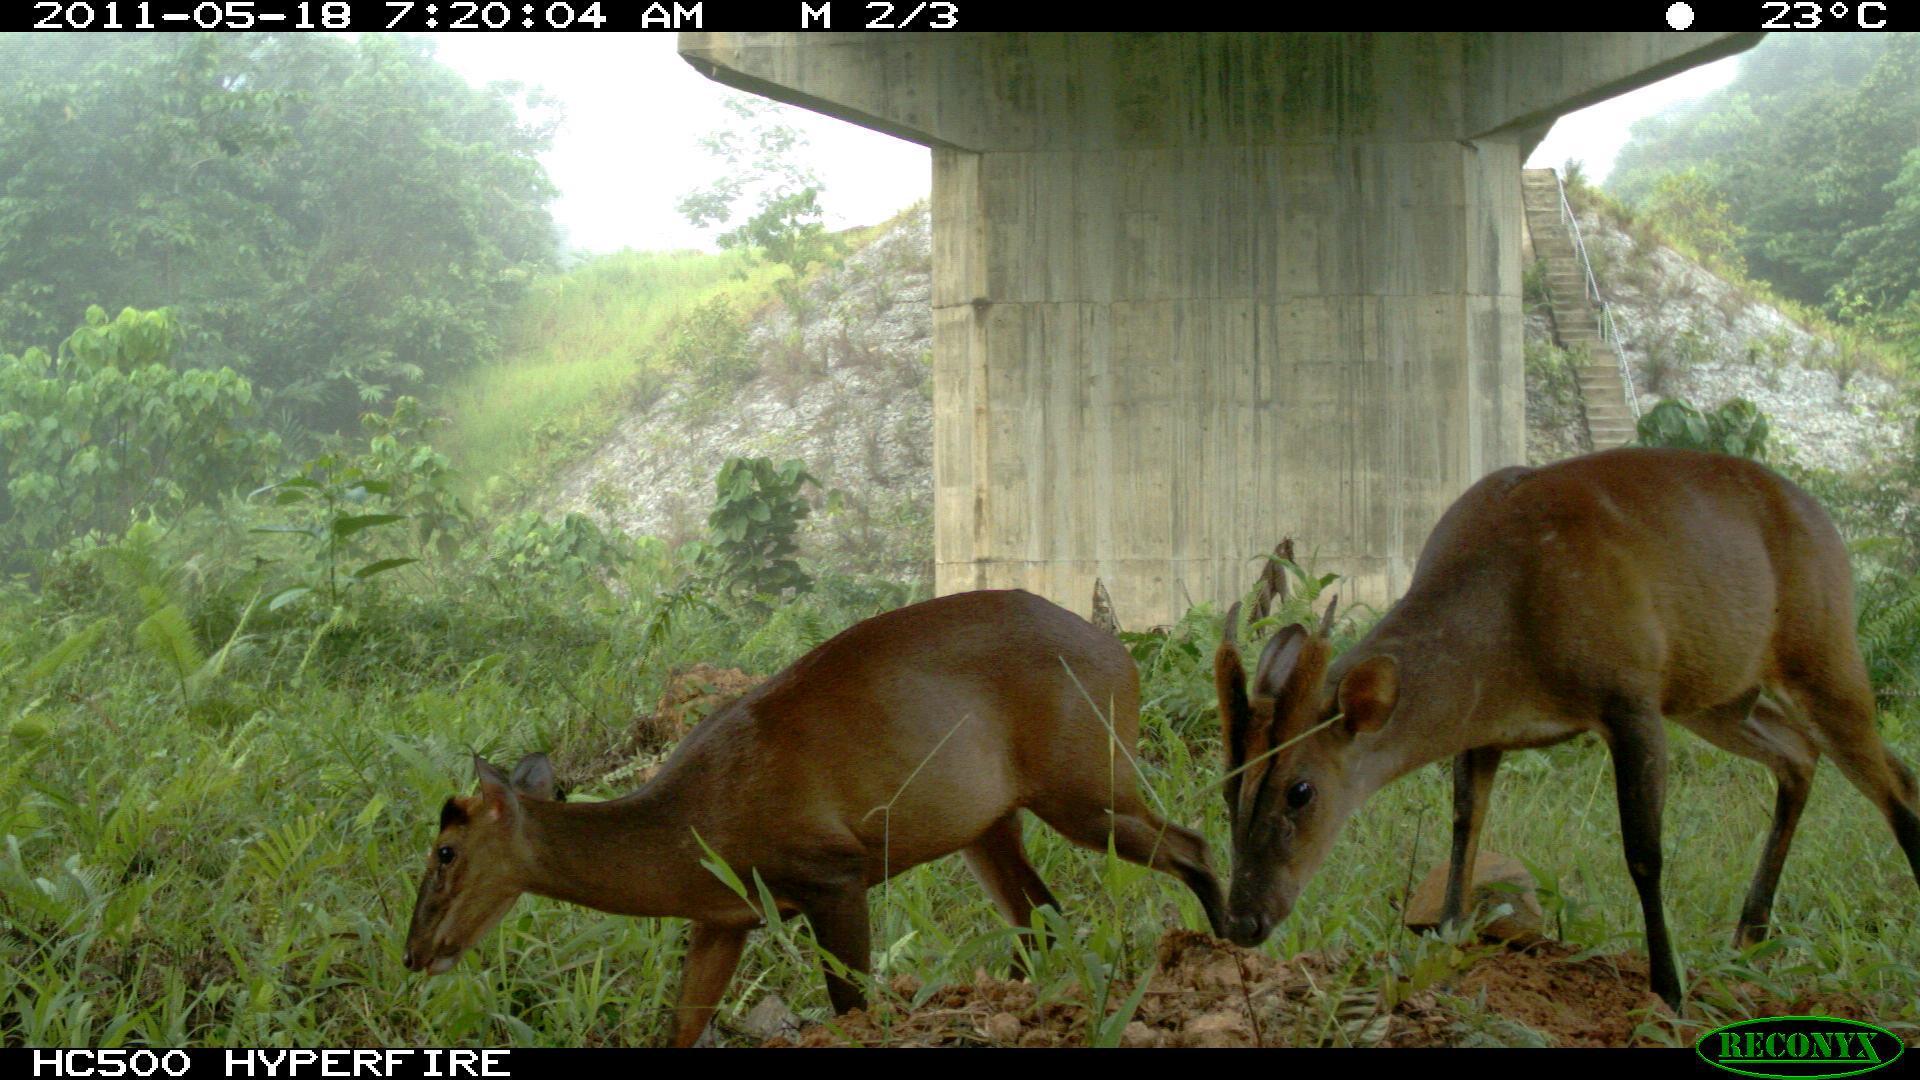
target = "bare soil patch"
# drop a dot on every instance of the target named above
(1204, 992)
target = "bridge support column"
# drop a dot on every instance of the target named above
(1152, 363)
(1196, 292)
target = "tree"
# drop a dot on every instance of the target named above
(786, 226)
(337, 219)
(109, 426)
(1884, 258)
(1806, 147)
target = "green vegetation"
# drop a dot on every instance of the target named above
(247, 650)
(1690, 219)
(215, 815)
(786, 225)
(338, 219)
(586, 347)
(1736, 427)
(757, 511)
(1804, 170)
(107, 426)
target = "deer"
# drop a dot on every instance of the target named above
(1596, 594)
(908, 736)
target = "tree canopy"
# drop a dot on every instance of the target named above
(339, 220)
(1813, 148)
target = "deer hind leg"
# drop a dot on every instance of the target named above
(1755, 727)
(1637, 737)
(1840, 707)
(1473, 774)
(1140, 836)
(999, 861)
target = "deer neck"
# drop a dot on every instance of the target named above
(631, 856)
(1445, 695)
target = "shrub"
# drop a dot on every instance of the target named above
(1736, 427)
(756, 516)
(534, 547)
(108, 427)
(337, 499)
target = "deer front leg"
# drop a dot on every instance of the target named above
(839, 921)
(1473, 773)
(712, 954)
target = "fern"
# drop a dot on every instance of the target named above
(67, 651)
(276, 868)
(1889, 631)
(167, 634)
(674, 606)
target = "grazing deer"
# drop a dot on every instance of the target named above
(1596, 594)
(908, 736)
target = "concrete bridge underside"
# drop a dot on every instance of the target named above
(1194, 292)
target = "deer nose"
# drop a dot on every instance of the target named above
(406, 960)
(1249, 929)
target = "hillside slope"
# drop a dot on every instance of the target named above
(848, 390)
(1689, 334)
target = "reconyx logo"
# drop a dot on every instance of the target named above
(1799, 1047)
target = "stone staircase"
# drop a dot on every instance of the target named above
(1576, 318)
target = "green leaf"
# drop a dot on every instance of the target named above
(287, 596)
(380, 567)
(347, 526)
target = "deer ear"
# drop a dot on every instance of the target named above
(495, 791)
(1278, 660)
(1236, 715)
(533, 777)
(1369, 692)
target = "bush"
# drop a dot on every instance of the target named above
(338, 500)
(709, 346)
(1736, 427)
(109, 427)
(756, 516)
(534, 548)
(1691, 211)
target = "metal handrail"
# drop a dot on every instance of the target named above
(1609, 330)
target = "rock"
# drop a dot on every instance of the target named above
(1522, 926)
(847, 389)
(770, 1019)
(1137, 1034)
(1002, 1029)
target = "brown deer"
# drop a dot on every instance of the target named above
(913, 734)
(1597, 594)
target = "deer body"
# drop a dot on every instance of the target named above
(911, 735)
(1598, 594)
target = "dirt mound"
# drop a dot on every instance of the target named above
(690, 696)
(1204, 992)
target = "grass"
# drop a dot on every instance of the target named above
(577, 348)
(1849, 351)
(588, 346)
(169, 879)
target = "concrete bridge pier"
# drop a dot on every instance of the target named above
(1194, 292)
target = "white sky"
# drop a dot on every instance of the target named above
(635, 113)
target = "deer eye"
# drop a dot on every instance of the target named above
(444, 854)
(1300, 794)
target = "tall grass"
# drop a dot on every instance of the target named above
(171, 875)
(580, 345)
